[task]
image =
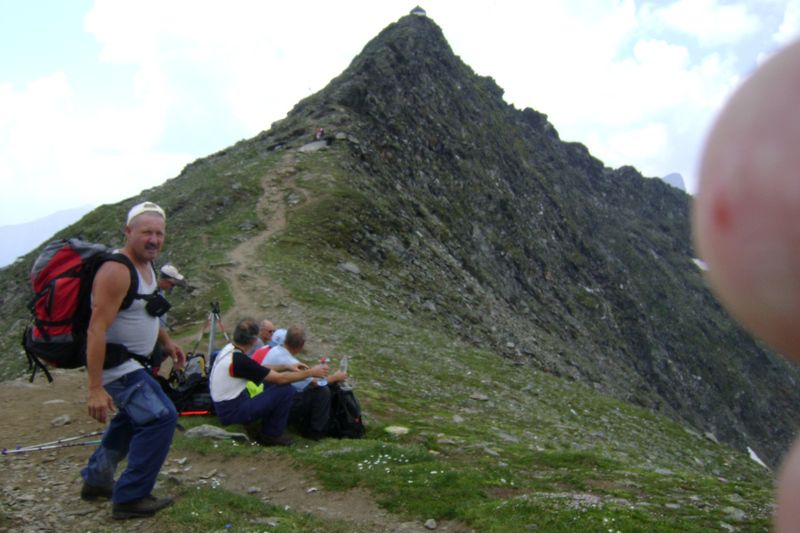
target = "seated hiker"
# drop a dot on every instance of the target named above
(277, 338)
(265, 331)
(311, 406)
(231, 372)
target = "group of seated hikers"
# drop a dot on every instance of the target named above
(256, 380)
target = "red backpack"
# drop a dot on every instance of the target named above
(62, 278)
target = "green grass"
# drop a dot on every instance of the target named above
(207, 509)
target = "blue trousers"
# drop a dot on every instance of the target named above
(142, 430)
(271, 406)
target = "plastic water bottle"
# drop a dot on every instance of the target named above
(344, 385)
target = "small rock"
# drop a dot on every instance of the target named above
(209, 475)
(62, 420)
(396, 430)
(479, 397)
(347, 266)
(458, 419)
(735, 513)
(507, 437)
(213, 432)
(490, 451)
(309, 490)
(253, 490)
(270, 521)
(430, 523)
(313, 146)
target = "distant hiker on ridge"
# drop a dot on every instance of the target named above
(144, 424)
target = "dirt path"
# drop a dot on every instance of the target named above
(39, 490)
(254, 292)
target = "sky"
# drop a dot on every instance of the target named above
(100, 99)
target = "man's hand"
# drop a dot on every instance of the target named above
(319, 371)
(176, 353)
(100, 404)
(337, 377)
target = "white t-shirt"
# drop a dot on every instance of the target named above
(279, 355)
(221, 384)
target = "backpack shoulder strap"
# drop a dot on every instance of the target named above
(133, 290)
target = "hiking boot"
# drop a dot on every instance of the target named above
(90, 492)
(147, 506)
(267, 440)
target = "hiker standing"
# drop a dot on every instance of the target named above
(145, 419)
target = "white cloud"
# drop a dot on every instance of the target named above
(789, 29)
(711, 22)
(59, 154)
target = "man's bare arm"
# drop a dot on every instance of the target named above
(111, 284)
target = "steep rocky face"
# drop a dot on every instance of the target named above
(475, 217)
(481, 218)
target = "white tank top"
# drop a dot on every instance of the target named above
(134, 328)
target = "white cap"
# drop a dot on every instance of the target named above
(145, 207)
(170, 272)
(279, 336)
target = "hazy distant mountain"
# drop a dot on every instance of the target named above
(676, 180)
(18, 239)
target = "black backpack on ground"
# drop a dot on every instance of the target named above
(346, 419)
(188, 388)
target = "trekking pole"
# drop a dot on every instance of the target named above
(59, 441)
(50, 447)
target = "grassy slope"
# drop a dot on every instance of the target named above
(496, 445)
